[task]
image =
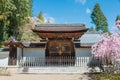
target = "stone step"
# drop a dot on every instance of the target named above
(53, 70)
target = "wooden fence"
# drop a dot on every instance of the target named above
(70, 64)
(61, 62)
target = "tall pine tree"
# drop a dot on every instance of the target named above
(99, 19)
(118, 17)
(117, 23)
(91, 29)
(41, 18)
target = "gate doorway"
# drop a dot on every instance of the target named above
(60, 49)
(60, 39)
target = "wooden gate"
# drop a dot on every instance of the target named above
(60, 49)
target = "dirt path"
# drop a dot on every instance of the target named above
(16, 76)
(45, 77)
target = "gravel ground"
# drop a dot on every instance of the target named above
(16, 76)
(45, 77)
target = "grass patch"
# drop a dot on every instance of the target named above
(4, 72)
(103, 76)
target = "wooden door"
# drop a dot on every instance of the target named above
(59, 50)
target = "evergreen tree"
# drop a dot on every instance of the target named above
(99, 19)
(41, 18)
(6, 8)
(13, 15)
(21, 13)
(117, 23)
(91, 29)
(118, 17)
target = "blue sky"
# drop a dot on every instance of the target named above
(76, 11)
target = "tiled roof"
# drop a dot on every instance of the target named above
(59, 27)
(24, 44)
(89, 39)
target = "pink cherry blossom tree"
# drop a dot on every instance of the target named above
(115, 44)
(108, 47)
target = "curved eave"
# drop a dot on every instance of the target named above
(12, 43)
(23, 45)
(60, 34)
(72, 31)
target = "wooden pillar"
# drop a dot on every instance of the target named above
(12, 55)
(22, 53)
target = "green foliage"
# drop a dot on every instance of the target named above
(23, 10)
(99, 19)
(91, 29)
(118, 17)
(29, 35)
(13, 15)
(5, 10)
(4, 72)
(106, 76)
(41, 17)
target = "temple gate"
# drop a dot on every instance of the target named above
(60, 39)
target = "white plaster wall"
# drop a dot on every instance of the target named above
(4, 59)
(34, 52)
(82, 57)
(30, 52)
(83, 52)
(19, 54)
(40, 52)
